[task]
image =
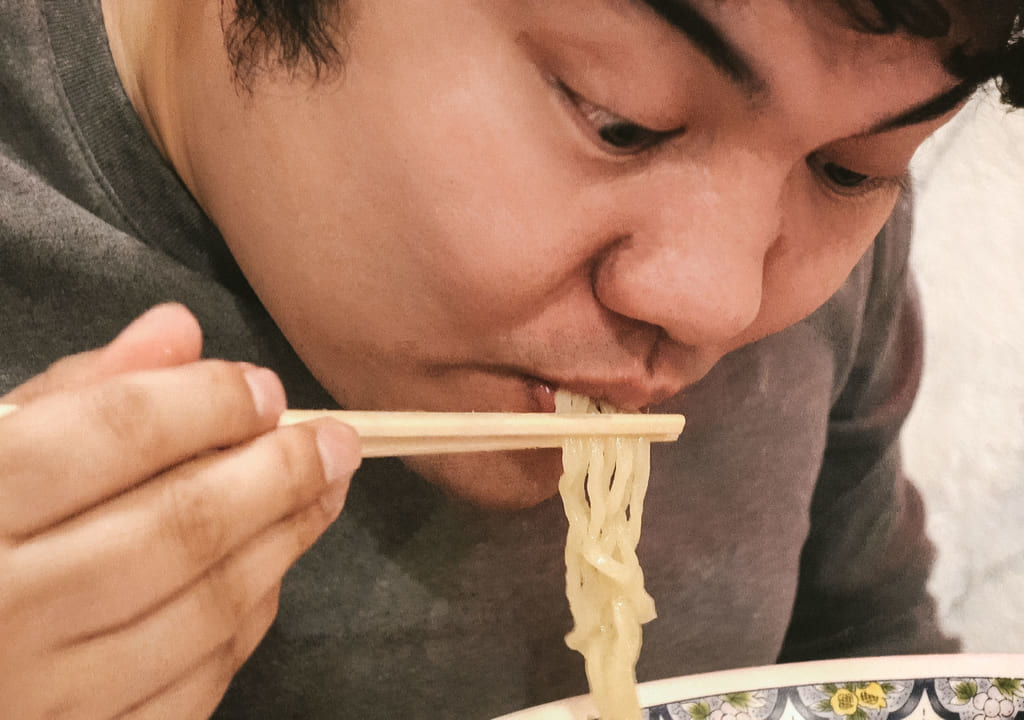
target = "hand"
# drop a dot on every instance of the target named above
(149, 508)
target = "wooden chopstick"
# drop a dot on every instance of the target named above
(386, 434)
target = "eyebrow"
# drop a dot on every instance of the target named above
(725, 56)
(711, 42)
(930, 109)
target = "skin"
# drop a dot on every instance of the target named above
(439, 226)
(151, 541)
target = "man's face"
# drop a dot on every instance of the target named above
(495, 198)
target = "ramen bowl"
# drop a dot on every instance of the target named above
(923, 687)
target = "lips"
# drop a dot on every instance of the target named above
(543, 394)
(624, 393)
(508, 388)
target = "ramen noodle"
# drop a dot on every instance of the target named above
(603, 484)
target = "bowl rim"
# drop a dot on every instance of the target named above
(815, 672)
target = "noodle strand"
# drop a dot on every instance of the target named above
(603, 485)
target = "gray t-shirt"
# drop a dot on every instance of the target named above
(778, 527)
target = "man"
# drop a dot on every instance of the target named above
(452, 206)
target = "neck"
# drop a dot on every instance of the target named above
(149, 42)
(136, 37)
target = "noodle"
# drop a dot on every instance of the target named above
(603, 484)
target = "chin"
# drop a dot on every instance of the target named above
(498, 480)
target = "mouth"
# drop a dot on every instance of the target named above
(626, 394)
(503, 388)
(521, 478)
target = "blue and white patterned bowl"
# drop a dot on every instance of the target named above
(925, 687)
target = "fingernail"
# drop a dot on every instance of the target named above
(339, 451)
(266, 390)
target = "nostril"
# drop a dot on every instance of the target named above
(657, 347)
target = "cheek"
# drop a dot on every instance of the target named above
(484, 206)
(462, 203)
(819, 247)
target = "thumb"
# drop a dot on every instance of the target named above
(164, 336)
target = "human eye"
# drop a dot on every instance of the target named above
(844, 177)
(620, 134)
(841, 180)
(615, 134)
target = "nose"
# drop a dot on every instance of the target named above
(692, 260)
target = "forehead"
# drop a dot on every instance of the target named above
(837, 25)
(967, 32)
(794, 59)
(751, 42)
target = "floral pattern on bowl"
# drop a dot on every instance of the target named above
(928, 699)
(981, 698)
(899, 687)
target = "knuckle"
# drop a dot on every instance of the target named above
(244, 620)
(224, 600)
(227, 664)
(231, 397)
(230, 657)
(251, 631)
(227, 377)
(262, 621)
(223, 373)
(308, 526)
(196, 524)
(294, 460)
(120, 410)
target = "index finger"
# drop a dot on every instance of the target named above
(164, 336)
(65, 453)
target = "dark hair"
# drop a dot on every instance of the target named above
(297, 35)
(986, 37)
(305, 35)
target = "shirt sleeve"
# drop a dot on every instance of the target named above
(865, 566)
